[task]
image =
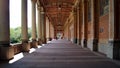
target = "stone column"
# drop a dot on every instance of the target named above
(39, 26)
(75, 25)
(25, 44)
(43, 23)
(6, 51)
(34, 41)
(55, 34)
(69, 32)
(94, 24)
(80, 21)
(85, 21)
(50, 26)
(49, 32)
(113, 49)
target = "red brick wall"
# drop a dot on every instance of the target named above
(104, 28)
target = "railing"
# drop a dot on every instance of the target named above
(18, 47)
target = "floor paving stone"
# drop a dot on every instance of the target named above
(62, 54)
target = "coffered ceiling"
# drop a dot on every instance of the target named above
(58, 11)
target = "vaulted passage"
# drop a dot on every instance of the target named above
(62, 54)
(80, 30)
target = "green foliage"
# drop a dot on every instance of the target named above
(15, 34)
(29, 33)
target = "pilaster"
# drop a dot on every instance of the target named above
(94, 24)
(113, 50)
(75, 25)
(85, 21)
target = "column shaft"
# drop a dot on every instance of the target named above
(4, 23)
(45, 39)
(43, 23)
(50, 29)
(85, 21)
(33, 20)
(39, 26)
(34, 32)
(75, 25)
(24, 21)
(95, 24)
(25, 44)
(113, 50)
(6, 51)
(80, 21)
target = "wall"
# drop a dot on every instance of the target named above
(103, 33)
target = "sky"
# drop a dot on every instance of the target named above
(15, 13)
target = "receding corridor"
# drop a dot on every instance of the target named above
(62, 54)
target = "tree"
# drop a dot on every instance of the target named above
(15, 34)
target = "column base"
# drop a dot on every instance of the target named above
(39, 41)
(84, 43)
(50, 39)
(79, 41)
(6, 53)
(75, 40)
(44, 41)
(25, 47)
(113, 50)
(67, 39)
(93, 44)
(34, 44)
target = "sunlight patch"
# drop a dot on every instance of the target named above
(39, 46)
(16, 58)
(48, 41)
(32, 50)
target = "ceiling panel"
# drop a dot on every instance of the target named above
(58, 11)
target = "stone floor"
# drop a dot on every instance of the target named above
(62, 54)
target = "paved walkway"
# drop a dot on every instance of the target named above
(62, 54)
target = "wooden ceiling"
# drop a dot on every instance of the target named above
(58, 11)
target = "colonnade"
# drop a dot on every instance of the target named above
(6, 50)
(76, 28)
(90, 34)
